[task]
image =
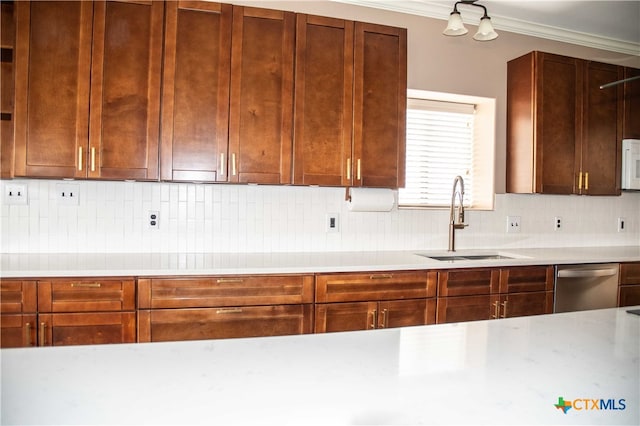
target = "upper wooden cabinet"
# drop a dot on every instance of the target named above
(7, 46)
(631, 128)
(88, 89)
(195, 97)
(350, 112)
(563, 132)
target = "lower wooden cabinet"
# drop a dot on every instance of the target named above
(330, 317)
(86, 328)
(18, 318)
(161, 325)
(493, 293)
(629, 290)
(18, 330)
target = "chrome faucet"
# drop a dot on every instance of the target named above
(453, 225)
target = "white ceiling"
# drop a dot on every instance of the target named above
(611, 25)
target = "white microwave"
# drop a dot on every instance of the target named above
(630, 164)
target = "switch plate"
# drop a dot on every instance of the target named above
(333, 222)
(513, 224)
(154, 219)
(68, 194)
(15, 194)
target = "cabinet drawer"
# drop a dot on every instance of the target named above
(629, 295)
(468, 282)
(224, 291)
(162, 325)
(526, 278)
(17, 296)
(466, 308)
(630, 273)
(85, 295)
(375, 286)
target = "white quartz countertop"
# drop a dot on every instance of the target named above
(156, 264)
(510, 371)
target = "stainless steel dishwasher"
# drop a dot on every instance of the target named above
(584, 287)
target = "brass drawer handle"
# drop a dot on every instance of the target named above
(93, 159)
(358, 174)
(86, 285)
(504, 309)
(496, 310)
(385, 319)
(222, 164)
(229, 311)
(27, 334)
(79, 158)
(229, 280)
(374, 317)
(586, 181)
(43, 333)
(348, 168)
(380, 276)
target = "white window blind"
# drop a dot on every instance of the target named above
(439, 147)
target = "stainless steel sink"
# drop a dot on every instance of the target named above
(460, 258)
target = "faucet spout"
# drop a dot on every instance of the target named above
(453, 224)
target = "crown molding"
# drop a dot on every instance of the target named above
(442, 11)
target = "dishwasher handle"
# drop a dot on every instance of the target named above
(587, 273)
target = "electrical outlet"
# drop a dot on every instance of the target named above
(557, 223)
(513, 224)
(333, 222)
(15, 194)
(621, 224)
(154, 220)
(68, 193)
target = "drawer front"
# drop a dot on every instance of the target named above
(467, 308)
(630, 273)
(527, 303)
(17, 296)
(224, 291)
(375, 286)
(468, 282)
(163, 325)
(331, 317)
(86, 295)
(629, 295)
(526, 278)
(405, 313)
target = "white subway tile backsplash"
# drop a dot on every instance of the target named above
(113, 216)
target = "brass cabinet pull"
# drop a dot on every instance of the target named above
(384, 319)
(504, 309)
(374, 317)
(358, 174)
(93, 159)
(496, 310)
(43, 333)
(349, 168)
(229, 280)
(80, 158)
(27, 334)
(580, 181)
(229, 311)
(380, 276)
(86, 285)
(222, 164)
(233, 164)
(586, 181)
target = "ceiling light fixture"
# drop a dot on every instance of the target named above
(455, 27)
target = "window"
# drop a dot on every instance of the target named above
(448, 135)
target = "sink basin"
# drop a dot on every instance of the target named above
(459, 258)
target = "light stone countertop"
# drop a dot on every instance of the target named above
(509, 371)
(185, 264)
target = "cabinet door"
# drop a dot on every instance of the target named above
(601, 130)
(17, 330)
(404, 313)
(332, 317)
(261, 103)
(631, 128)
(52, 65)
(323, 118)
(467, 308)
(86, 328)
(523, 304)
(81, 295)
(526, 278)
(7, 88)
(629, 295)
(162, 325)
(468, 282)
(195, 100)
(125, 90)
(375, 286)
(380, 100)
(630, 273)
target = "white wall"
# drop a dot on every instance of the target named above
(236, 218)
(111, 217)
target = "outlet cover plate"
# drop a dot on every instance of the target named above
(513, 224)
(68, 194)
(15, 194)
